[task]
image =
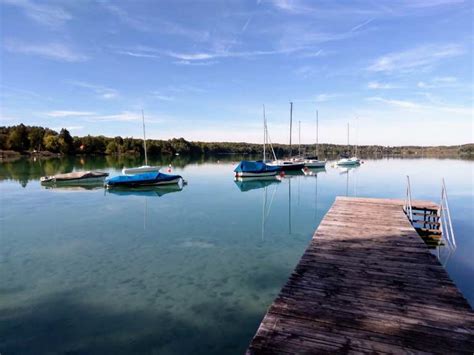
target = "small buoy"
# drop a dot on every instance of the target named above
(282, 173)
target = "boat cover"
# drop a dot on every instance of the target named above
(256, 167)
(140, 179)
(76, 175)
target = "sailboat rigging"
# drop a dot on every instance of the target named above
(314, 162)
(144, 168)
(345, 160)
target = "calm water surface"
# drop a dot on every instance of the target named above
(174, 272)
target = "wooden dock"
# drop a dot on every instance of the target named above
(367, 283)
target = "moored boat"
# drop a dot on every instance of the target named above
(348, 161)
(144, 168)
(345, 159)
(291, 163)
(314, 162)
(287, 164)
(255, 169)
(145, 179)
(82, 177)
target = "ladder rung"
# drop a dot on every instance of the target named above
(431, 215)
(430, 231)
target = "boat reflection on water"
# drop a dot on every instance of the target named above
(73, 187)
(150, 191)
(349, 170)
(313, 171)
(253, 183)
(145, 192)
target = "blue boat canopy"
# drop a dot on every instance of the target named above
(254, 167)
(140, 179)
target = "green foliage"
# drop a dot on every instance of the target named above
(18, 138)
(51, 143)
(22, 138)
(35, 136)
(66, 142)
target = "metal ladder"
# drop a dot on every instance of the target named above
(434, 222)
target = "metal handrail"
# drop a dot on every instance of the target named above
(446, 225)
(408, 205)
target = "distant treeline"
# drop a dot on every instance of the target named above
(40, 140)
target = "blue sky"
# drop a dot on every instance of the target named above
(203, 69)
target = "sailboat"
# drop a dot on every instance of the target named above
(294, 163)
(314, 162)
(144, 168)
(345, 159)
(247, 169)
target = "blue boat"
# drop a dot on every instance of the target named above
(254, 169)
(146, 179)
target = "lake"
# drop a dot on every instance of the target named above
(168, 271)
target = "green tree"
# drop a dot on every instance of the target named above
(111, 148)
(51, 143)
(66, 143)
(36, 136)
(18, 138)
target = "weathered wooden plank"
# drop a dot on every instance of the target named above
(367, 283)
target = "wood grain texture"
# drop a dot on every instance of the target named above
(367, 283)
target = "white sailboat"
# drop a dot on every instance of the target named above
(257, 169)
(314, 162)
(144, 168)
(345, 161)
(291, 163)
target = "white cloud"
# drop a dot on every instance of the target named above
(58, 114)
(124, 17)
(439, 82)
(360, 25)
(378, 85)
(325, 97)
(137, 54)
(160, 96)
(203, 63)
(41, 13)
(415, 58)
(69, 128)
(431, 3)
(147, 24)
(56, 51)
(418, 107)
(120, 117)
(398, 103)
(101, 91)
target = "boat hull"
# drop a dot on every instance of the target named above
(86, 177)
(287, 165)
(244, 174)
(90, 181)
(348, 162)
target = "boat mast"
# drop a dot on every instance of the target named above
(299, 138)
(291, 123)
(317, 137)
(264, 133)
(357, 136)
(348, 145)
(144, 137)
